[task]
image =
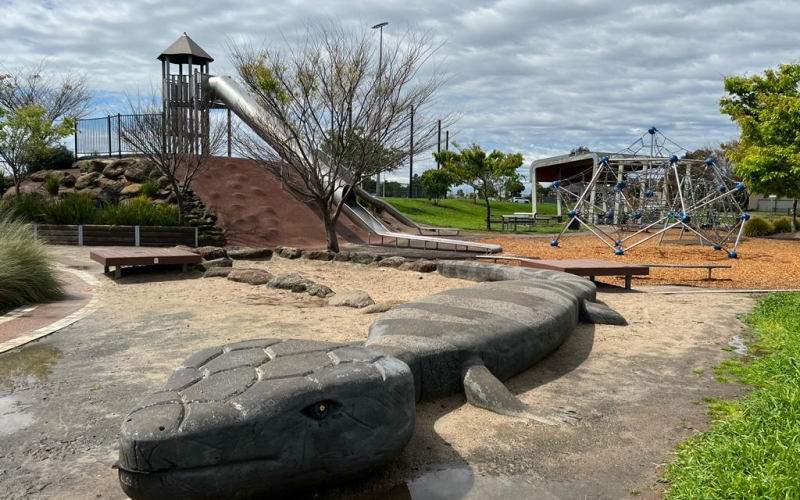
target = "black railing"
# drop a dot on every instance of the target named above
(103, 137)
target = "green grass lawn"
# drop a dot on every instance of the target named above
(466, 215)
(753, 451)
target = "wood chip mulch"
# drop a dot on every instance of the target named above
(762, 263)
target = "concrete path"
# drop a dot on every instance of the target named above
(32, 322)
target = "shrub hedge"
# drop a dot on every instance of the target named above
(77, 208)
(784, 225)
(50, 158)
(757, 226)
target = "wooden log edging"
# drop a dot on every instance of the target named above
(132, 236)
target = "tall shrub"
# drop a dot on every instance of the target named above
(50, 158)
(27, 273)
(758, 227)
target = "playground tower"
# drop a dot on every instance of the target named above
(185, 111)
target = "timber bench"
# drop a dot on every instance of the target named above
(495, 220)
(692, 266)
(549, 219)
(512, 221)
(525, 219)
(119, 257)
(589, 268)
(515, 258)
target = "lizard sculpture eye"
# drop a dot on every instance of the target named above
(320, 410)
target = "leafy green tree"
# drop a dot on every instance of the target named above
(542, 191)
(485, 173)
(767, 110)
(513, 185)
(436, 183)
(353, 145)
(24, 133)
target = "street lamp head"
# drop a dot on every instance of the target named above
(380, 25)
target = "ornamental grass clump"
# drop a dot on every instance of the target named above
(784, 225)
(757, 226)
(150, 188)
(51, 184)
(140, 211)
(27, 273)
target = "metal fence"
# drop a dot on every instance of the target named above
(96, 137)
(103, 137)
(774, 205)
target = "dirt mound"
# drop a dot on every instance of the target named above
(254, 210)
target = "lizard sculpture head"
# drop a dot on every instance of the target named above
(278, 411)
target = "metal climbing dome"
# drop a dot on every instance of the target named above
(646, 190)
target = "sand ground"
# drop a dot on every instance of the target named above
(637, 388)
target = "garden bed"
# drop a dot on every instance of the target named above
(134, 236)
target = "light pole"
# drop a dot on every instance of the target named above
(379, 26)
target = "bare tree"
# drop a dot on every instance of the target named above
(60, 95)
(179, 147)
(342, 110)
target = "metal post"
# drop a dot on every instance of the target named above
(119, 135)
(76, 139)
(379, 27)
(411, 159)
(108, 120)
(229, 132)
(438, 140)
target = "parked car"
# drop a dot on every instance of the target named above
(520, 199)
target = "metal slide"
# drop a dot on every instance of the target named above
(240, 103)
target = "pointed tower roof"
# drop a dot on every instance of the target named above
(179, 52)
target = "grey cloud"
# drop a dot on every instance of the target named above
(538, 77)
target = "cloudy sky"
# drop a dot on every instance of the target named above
(539, 77)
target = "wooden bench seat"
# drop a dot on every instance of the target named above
(515, 258)
(710, 267)
(580, 267)
(119, 257)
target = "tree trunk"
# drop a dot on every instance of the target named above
(793, 215)
(17, 182)
(330, 228)
(488, 213)
(176, 190)
(179, 201)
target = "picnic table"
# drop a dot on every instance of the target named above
(525, 219)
